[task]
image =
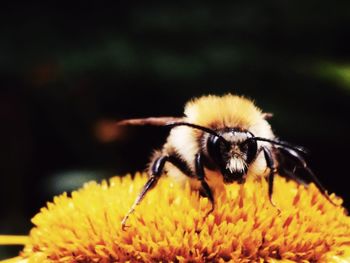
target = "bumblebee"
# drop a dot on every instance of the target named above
(219, 140)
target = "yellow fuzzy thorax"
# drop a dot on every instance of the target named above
(225, 111)
(170, 225)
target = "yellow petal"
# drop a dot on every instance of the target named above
(13, 240)
(170, 225)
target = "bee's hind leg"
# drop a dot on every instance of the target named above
(313, 177)
(156, 171)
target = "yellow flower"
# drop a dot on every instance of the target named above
(170, 225)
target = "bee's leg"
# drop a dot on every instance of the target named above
(201, 177)
(271, 165)
(313, 177)
(156, 171)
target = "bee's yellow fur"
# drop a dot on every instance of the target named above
(226, 111)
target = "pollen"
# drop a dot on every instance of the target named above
(170, 225)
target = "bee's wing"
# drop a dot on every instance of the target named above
(267, 115)
(154, 121)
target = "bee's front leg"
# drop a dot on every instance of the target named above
(156, 170)
(271, 165)
(201, 177)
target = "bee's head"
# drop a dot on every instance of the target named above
(232, 152)
(232, 149)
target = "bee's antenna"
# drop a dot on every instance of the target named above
(195, 126)
(283, 144)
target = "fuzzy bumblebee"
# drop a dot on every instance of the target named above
(220, 140)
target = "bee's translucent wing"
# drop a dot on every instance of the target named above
(154, 121)
(267, 115)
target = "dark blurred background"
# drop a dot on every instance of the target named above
(68, 71)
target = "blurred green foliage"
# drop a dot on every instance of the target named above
(336, 73)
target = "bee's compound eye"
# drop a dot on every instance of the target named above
(214, 145)
(250, 147)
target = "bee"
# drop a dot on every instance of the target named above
(221, 139)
